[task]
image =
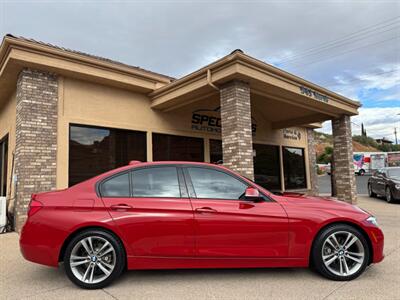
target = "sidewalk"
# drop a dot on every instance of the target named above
(20, 279)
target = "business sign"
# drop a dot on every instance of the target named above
(209, 120)
(313, 94)
(292, 134)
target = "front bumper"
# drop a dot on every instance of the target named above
(377, 241)
(396, 193)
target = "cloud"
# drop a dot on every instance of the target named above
(379, 122)
(176, 38)
(387, 77)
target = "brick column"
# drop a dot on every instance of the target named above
(237, 140)
(312, 162)
(343, 154)
(36, 137)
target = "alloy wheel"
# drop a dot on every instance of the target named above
(343, 253)
(92, 259)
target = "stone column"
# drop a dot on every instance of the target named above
(36, 138)
(237, 140)
(312, 162)
(343, 155)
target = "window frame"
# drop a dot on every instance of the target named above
(191, 190)
(304, 167)
(181, 182)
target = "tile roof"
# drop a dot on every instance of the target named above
(88, 55)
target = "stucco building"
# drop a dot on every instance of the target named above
(66, 116)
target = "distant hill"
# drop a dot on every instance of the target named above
(324, 140)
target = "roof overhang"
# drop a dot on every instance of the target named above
(16, 54)
(265, 80)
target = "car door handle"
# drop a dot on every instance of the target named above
(120, 207)
(205, 210)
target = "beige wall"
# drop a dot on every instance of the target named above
(7, 126)
(93, 104)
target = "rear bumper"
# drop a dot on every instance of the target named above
(36, 246)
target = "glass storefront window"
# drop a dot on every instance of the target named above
(266, 163)
(177, 148)
(266, 166)
(3, 165)
(294, 168)
(94, 150)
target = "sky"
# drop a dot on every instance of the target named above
(350, 47)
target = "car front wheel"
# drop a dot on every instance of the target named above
(340, 252)
(389, 196)
(93, 259)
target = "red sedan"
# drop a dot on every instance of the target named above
(170, 215)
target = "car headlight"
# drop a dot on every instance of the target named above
(397, 186)
(372, 220)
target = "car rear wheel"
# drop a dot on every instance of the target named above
(340, 252)
(370, 192)
(93, 259)
(389, 196)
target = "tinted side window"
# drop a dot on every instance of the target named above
(215, 184)
(117, 186)
(156, 182)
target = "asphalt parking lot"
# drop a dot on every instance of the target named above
(20, 279)
(324, 183)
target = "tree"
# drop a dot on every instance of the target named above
(363, 130)
(326, 156)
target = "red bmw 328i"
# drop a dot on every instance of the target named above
(171, 215)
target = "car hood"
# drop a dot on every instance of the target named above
(323, 203)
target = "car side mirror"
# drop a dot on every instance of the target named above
(252, 194)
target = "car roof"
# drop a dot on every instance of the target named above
(172, 162)
(135, 164)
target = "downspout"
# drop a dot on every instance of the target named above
(209, 80)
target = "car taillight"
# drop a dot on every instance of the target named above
(34, 206)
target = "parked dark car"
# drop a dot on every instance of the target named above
(385, 182)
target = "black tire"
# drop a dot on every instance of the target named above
(389, 195)
(370, 192)
(316, 252)
(119, 259)
(361, 172)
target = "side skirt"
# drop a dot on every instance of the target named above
(147, 263)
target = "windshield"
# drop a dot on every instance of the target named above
(393, 172)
